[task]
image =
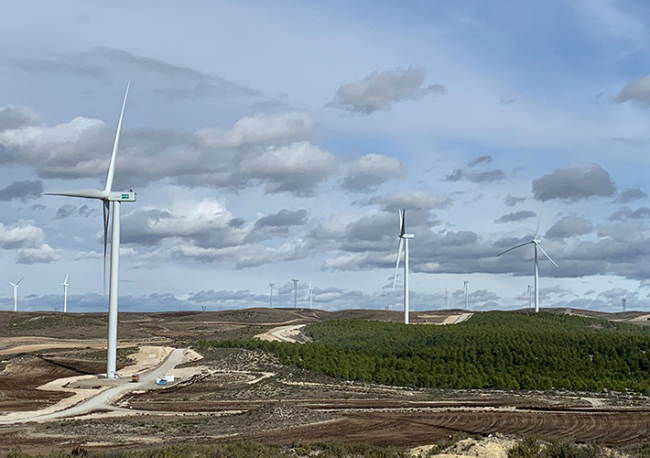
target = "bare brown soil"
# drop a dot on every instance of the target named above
(246, 394)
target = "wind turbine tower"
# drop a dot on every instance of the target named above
(295, 293)
(107, 196)
(403, 242)
(536, 244)
(311, 296)
(465, 283)
(446, 298)
(624, 301)
(530, 298)
(65, 294)
(271, 298)
(15, 285)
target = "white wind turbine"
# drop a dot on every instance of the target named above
(311, 302)
(446, 298)
(465, 283)
(271, 285)
(295, 292)
(107, 196)
(403, 241)
(65, 293)
(15, 285)
(536, 243)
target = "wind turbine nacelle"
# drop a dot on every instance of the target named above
(121, 196)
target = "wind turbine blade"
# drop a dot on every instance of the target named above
(66, 279)
(18, 282)
(402, 222)
(399, 253)
(12, 284)
(545, 254)
(111, 167)
(85, 193)
(513, 248)
(106, 216)
(539, 221)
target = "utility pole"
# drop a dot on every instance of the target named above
(271, 298)
(295, 293)
(465, 283)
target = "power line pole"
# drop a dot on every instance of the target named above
(295, 293)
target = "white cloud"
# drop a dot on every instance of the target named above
(636, 91)
(369, 171)
(379, 90)
(297, 168)
(24, 234)
(414, 199)
(44, 253)
(259, 129)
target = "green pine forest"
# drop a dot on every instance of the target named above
(494, 350)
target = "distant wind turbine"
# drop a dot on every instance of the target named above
(403, 242)
(15, 285)
(271, 298)
(530, 298)
(311, 302)
(65, 293)
(465, 283)
(107, 196)
(446, 298)
(295, 293)
(536, 243)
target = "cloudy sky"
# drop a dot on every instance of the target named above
(277, 140)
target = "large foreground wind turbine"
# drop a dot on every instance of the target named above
(107, 196)
(65, 293)
(15, 285)
(403, 242)
(536, 243)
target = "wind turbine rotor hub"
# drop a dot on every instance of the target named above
(121, 196)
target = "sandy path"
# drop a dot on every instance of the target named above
(281, 333)
(13, 345)
(463, 317)
(455, 319)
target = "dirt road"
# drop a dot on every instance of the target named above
(103, 399)
(281, 333)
